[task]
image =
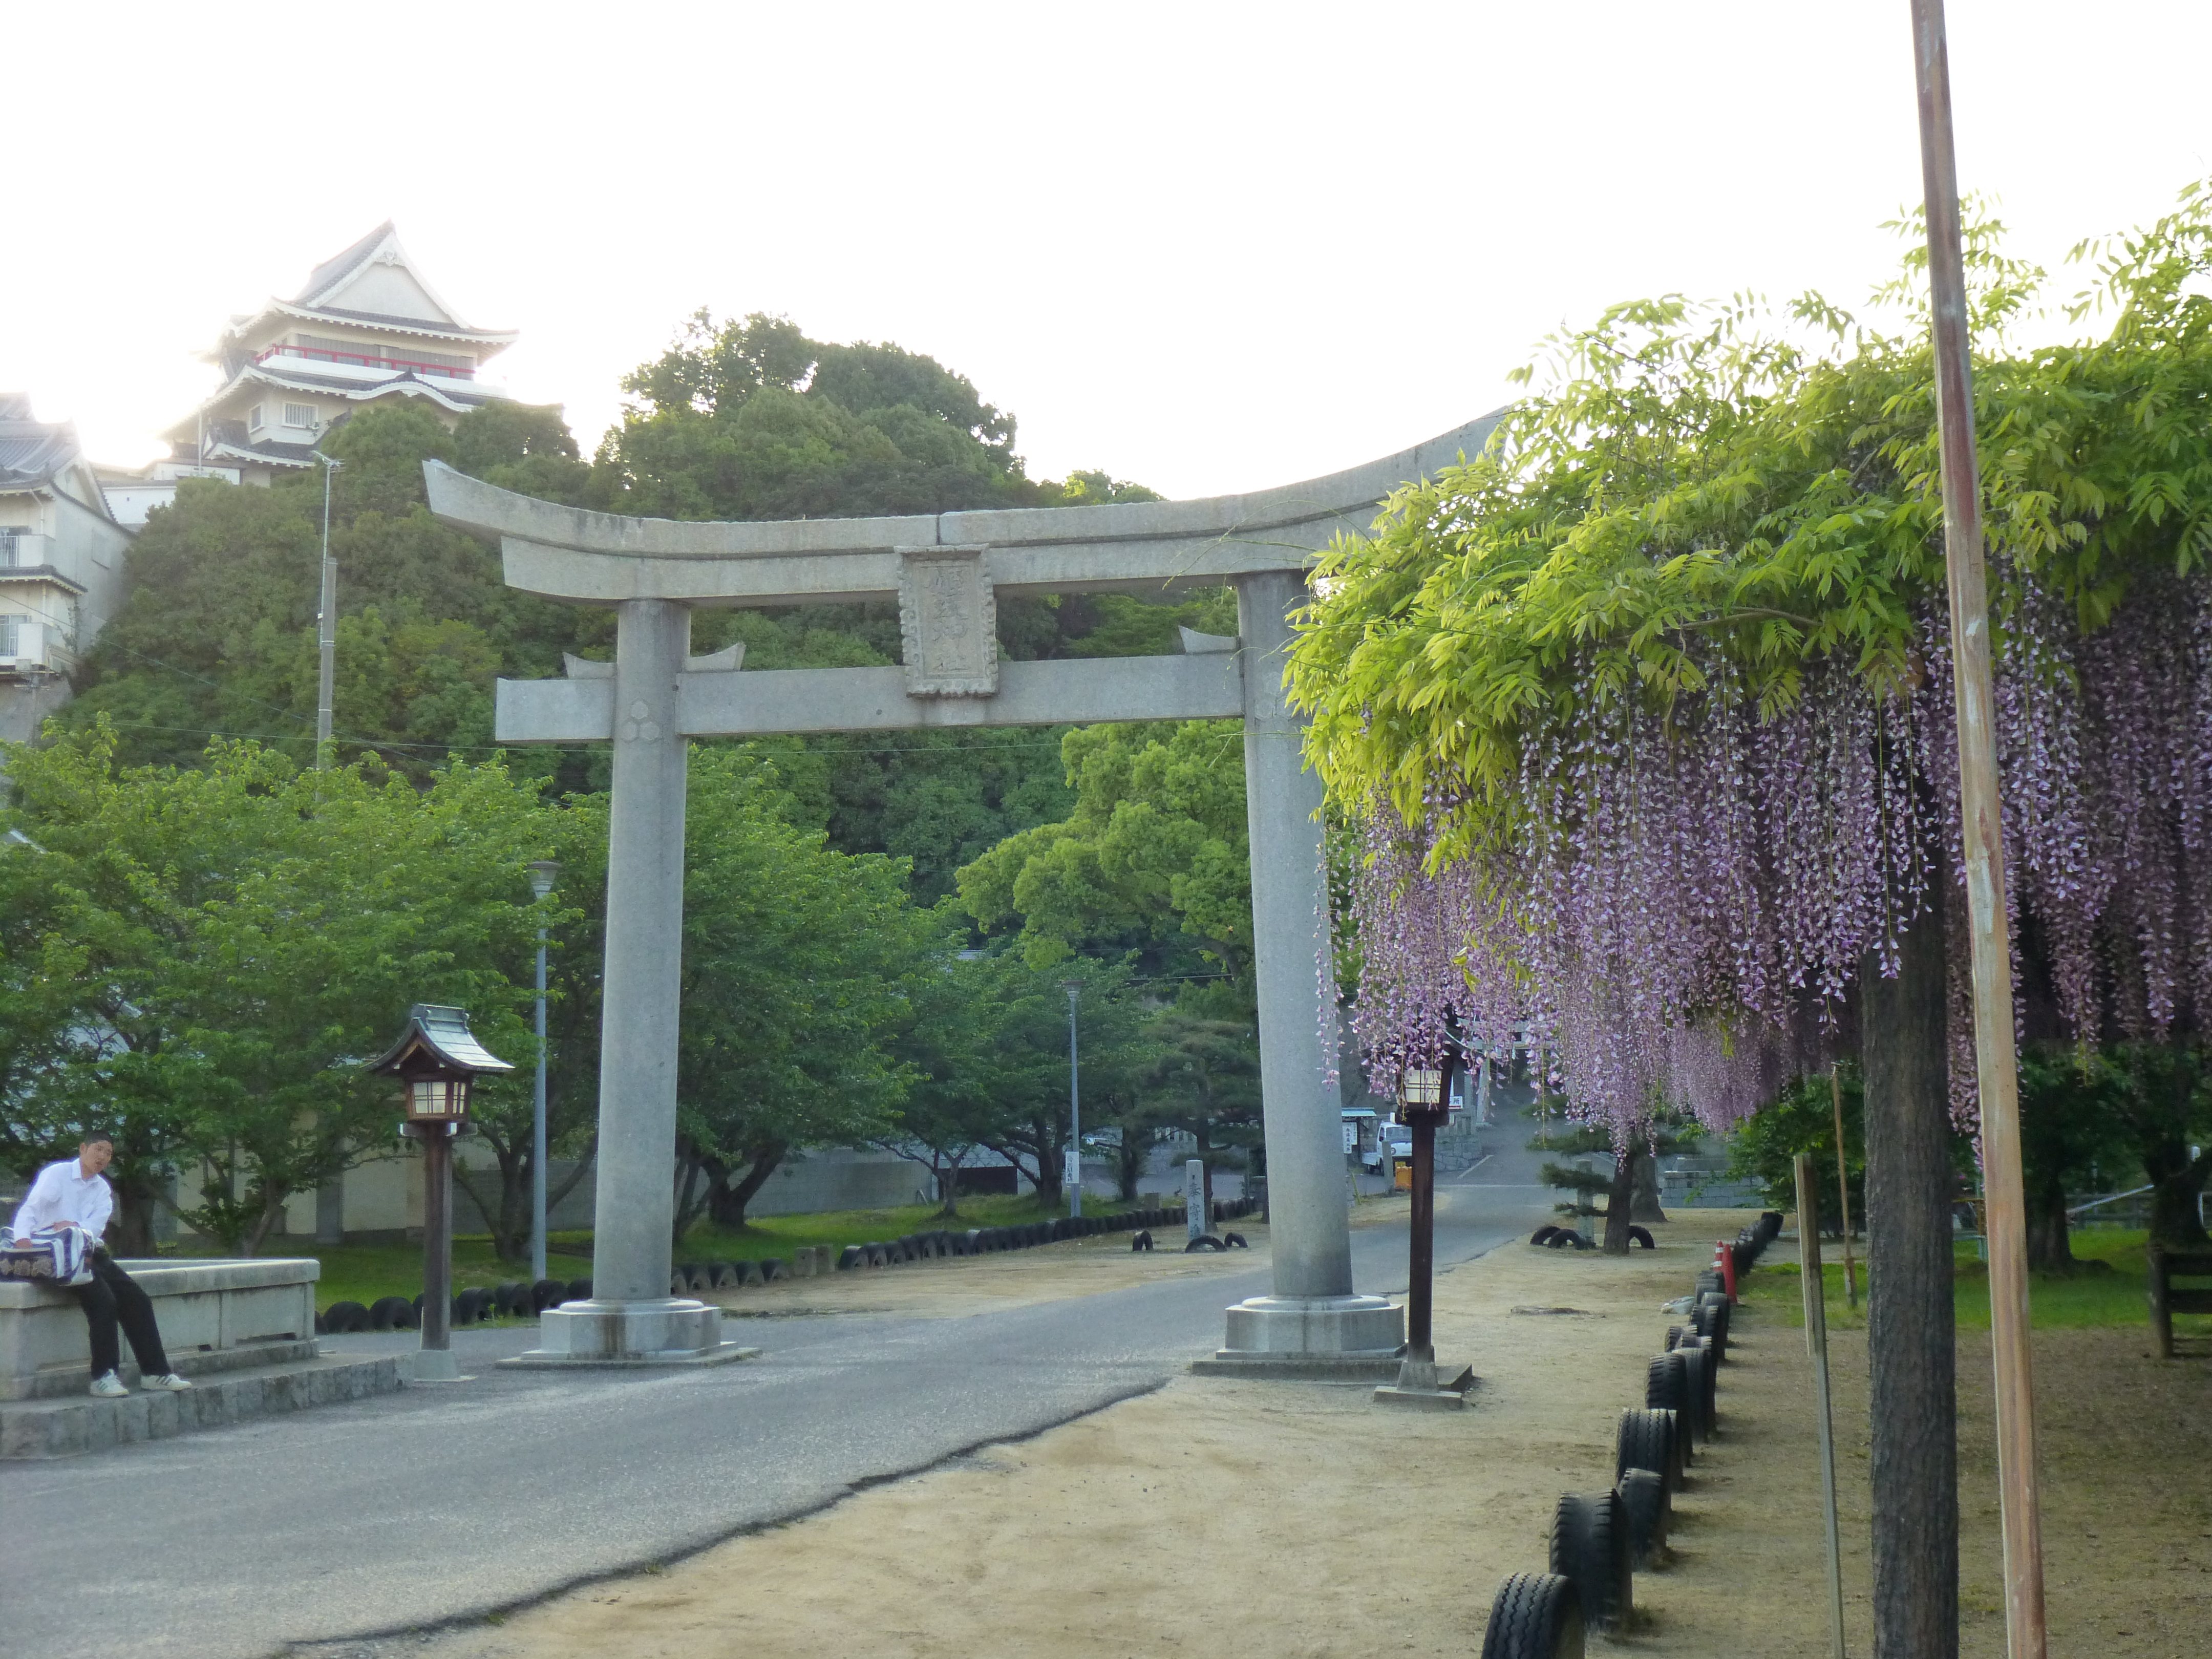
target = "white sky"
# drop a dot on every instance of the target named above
(1209, 246)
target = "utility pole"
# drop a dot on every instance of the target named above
(1074, 989)
(543, 873)
(326, 629)
(1995, 1062)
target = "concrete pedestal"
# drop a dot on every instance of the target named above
(1421, 1386)
(670, 1331)
(1368, 1326)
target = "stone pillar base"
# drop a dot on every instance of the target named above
(1351, 1339)
(668, 1332)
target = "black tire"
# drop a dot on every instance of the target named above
(1560, 1239)
(1666, 1387)
(391, 1313)
(1590, 1546)
(1140, 1241)
(850, 1257)
(975, 1237)
(751, 1273)
(876, 1254)
(580, 1290)
(346, 1318)
(1674, 1335)
(1544, 1235)
(773, 1268)
(467, 1308)
(1235, 1241)
(1645, 1440)
(1713, 1326)
(547, 1293)
(1534, 1615)
(1644, 1502)
(1698, 1374)
(1640, 1236)
(1203, 1242)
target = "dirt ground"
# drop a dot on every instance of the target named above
(1294, 1519)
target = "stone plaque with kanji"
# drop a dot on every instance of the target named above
(949, 622)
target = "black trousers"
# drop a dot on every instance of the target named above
(113, 1297)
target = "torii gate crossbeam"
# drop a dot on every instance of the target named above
(945, 571)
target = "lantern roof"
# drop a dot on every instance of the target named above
(441, 1036)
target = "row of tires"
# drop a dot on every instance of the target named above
(1564, 1238)
(1601, 1541)
(986, 1240)
(517, 1300)
(471, 1307)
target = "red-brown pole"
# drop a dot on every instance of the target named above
(1994, 1062)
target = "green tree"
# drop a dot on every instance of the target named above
(239, 935)
(797, 962)
(1154, 858)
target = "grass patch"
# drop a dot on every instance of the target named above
(364, 1272)
(2115, 1295)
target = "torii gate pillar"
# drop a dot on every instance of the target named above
(944, 570)
(1313, 1312)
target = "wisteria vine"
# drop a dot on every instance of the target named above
(1691, 891)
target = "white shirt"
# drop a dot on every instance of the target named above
(64, 1192)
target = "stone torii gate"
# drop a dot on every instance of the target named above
(943, 570)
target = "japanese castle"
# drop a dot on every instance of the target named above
(367, 328)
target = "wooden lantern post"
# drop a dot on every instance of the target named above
(436, 1059)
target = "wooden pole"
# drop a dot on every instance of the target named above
(1815, 1291)
(1844, 1188)
(2006, 1225)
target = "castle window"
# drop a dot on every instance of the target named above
(253, 418)
(299, 415)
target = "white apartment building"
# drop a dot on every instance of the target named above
(62, 559)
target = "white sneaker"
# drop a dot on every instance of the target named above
(108, 1386)
(168, 1380)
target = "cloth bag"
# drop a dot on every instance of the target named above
(60, 1255)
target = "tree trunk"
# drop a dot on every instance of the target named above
(1911, 1338)
(131, 1231)
(2050, 1246)
(726, 1201)
(2176, 1196)
(1644, 1205)
(1618, 1195)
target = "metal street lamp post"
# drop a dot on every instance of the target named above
(1423, 1103)
(543, 873)
(326, 628)
(436, 1060)
(1074, 989)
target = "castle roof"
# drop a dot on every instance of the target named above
(33, 452)
(374, 284)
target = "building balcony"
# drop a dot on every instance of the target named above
(372, 361)
(24, 549)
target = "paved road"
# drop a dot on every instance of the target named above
(434, 1504)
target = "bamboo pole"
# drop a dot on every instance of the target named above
(1815, 1292)
(1844, 1188)
(1994, 1060)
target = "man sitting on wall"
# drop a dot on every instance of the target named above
(73, 1193)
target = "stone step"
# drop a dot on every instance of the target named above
(71, 1427)
(69, 1381)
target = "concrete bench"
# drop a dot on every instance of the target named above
(214, 1316)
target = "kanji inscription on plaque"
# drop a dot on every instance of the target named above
(948, 622)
